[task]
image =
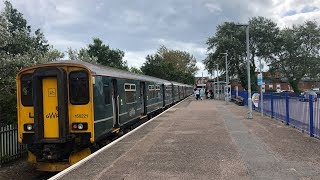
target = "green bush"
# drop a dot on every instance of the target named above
(8, 109)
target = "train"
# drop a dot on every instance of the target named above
(67, 108)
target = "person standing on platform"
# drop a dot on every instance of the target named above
(197, 94)
(202, 93)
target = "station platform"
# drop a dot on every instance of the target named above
(205, 139)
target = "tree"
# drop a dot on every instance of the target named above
(81, 55)
(105, 55)
(99, 53)
(232, 39)
(18, 49)
(172, 65)
(298, 55)
(136, 70)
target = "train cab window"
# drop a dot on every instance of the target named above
(106, 92)
(79, 87)
(26, 90)
(130, 93)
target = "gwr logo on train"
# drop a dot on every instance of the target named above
(52, 115)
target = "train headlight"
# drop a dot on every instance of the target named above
(28, 127)
(79, 126)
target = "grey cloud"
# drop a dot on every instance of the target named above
(138, 26)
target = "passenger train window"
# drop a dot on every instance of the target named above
(26, 90)
(157, 91)
(79, 87)
(130, 93)
(106, 92)
(168, 91)
(151, 92)
(127, 86)
(133, 87)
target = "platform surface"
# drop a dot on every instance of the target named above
(207, 140)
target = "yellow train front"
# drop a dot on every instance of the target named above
(55, 118)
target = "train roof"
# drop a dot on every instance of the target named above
(97, 69)
(180, 84)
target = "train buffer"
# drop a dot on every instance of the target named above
(205, 140)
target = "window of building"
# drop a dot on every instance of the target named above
(26, 90)
(130, 93)
(79, 87)
(270, 86)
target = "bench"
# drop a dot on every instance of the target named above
(239, 100)
(233, 98)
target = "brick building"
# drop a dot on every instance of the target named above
(274, 81)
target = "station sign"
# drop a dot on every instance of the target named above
(259, 79)
(263, 88)
(255, 99)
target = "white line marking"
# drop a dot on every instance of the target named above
(71, 168)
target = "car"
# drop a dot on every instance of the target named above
(304, 97)
(318, 93)
(287, 91)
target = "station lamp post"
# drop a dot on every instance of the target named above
(248, 71)
(227, 77)
(217, 85)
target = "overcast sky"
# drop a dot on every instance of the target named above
(139, 27)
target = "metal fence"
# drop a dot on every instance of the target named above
(292, 109)
(10, 148)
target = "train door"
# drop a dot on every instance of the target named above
(50, 104)
(143, 97)
(115, 103)
(163, 95)
(183, 92)
(173, 93)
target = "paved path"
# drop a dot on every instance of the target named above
(207, 140)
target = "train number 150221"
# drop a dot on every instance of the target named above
(81, 116)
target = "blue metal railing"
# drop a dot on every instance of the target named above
(292, 109)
